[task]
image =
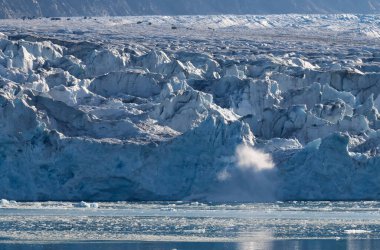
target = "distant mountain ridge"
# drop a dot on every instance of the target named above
(20, 8)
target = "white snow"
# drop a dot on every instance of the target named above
(127, 111)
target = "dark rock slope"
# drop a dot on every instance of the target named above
(20, 8)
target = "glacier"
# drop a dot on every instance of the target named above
(209, 108)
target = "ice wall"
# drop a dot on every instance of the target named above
(222, 120)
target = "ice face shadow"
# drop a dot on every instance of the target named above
(315, 244)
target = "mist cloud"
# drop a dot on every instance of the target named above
(249, 158)
(250, 177)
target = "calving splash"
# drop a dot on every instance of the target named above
(250, 176)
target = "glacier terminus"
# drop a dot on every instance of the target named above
(208, 108)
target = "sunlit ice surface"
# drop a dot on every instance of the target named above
(319, 47)
(185, 225)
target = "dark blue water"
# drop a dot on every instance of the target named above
(274, 245)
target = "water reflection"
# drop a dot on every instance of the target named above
(256, 241)
(318, 244)
(353, 244)
(315, 244)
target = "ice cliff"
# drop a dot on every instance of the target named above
(165, 118)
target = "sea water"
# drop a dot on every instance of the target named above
(190, 225)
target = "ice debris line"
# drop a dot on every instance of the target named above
(162, 119)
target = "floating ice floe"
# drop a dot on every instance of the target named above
(7, 203)
(83, 204)
(357, 231)
(4, 202)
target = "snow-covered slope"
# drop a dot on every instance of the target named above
(222, 108)
(19, 8)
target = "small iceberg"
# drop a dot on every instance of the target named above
(4, 203)
(83, 204)
(356, 231)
